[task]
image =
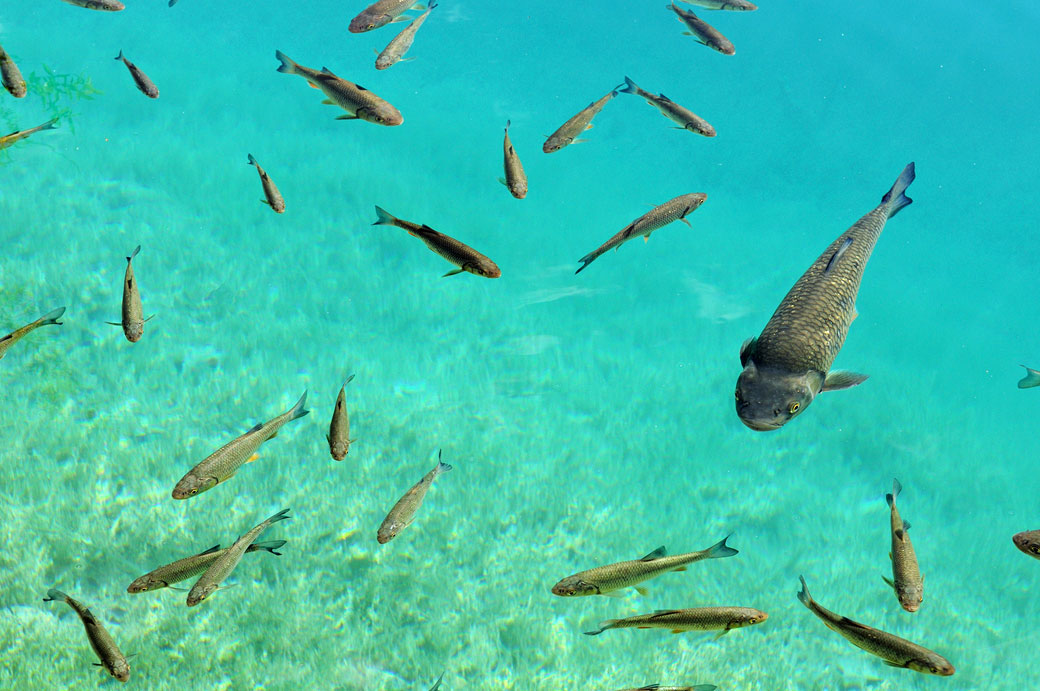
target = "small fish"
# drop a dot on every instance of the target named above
(182, 569)
(103, 5)
(659, 216)
(112, 659)
(790, 362)
(702, 31)
(10, 76)
(399, 45)
(1031, 379)
(658, 687)
(144, 84)
(731, 5)
(339, 429)
(223, 565)
(627, 574)
(906, 575)
(10, 339)
(895, 651)
(274, 197)
(576, 125)
(403, 512)
(359, 102)
(515, 179)
(9, 139)
(686, 119)
(223, 463)
(133, 312)
(1028, 542)
(721, 619)
(381, 13)
(458, 253)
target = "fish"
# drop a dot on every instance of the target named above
(380, 14)
(515, 179)
(731, 5)
(403, 512)
(103, 5)
(721, 619)
(339, 429)
(223, 463)
(658, 687)
(399, 44)
(458, 253)
(685, 118)
(1031, 379)
(790, 362)
(133, 312)
(628, 574)
(274, 197)
(10, 339)
(112, 659)
(11, 76)
(144, 84)
(182, 569)
(895, 651)
(223, 565)
(359, 102)
(1028, 542)
(703, 32)
(672, 210)
(569, 130)
(9, 139)
(906, 575)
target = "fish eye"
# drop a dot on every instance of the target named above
(753, 620)
(737, 394)
(193, 491)
(935, 670)
(793, 408)
(1035, 549)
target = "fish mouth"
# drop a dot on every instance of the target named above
(761, 425)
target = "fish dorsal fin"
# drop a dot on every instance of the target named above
(656, 554)
(326, 70)
(747, 349)
(838, 253)
(211, 550)
(360, 88)
(662, 612)
(906, 525)
(664, 98)
(9, 336)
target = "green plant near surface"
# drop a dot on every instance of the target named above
(57, 93)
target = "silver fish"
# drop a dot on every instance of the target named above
(133, 313)
(658, 687)
(458, 253)
(112, 659)
(381, 13)
(10, 76)
(103, 5)
(339, 429)
(568, 131)
(731, 5)
(146, 85)
(721, 619)
(399, 44)
(359, 102)
(403, 512)
(10, 339)
(684, 117)
(9, 139)
(515, 179)
(702, 31)
(906, 578)
(273, 196)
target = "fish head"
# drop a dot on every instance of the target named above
(768, 398)
(192, 484)
(1028, 542)
(366, 21)
(144, 584)
(388, 531)
(339, 450)
(384, 114)
(572, 586)
(133, 331)
(197, 596)
(384, 61)
(749, 617)
(910, 596)
(703, 129)
(120, 670)
(938, 666)
(487, 269)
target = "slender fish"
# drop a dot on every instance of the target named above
(403, 512)
(112, 659)
(702, 31)
(458, 253)
(685, 118)
(1028, 542)
(10, 76)
(895, 651)
(721, 619)
(274, 197)
(399, 45)
(10, 339)
(732, 5)
(225, 461)
(144, 84)
(133, 312)
(576, 125)
(906, 575)
(339, 429)
(789, 363)
(183, 569)
(359, 102)
(515, 179)
(658, 687)
(659, 216)
(382, 13)
(223, 565)
(1031, 379)
(9, 139)
(103, 5)
(627, 574)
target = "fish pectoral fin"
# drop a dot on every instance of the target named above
(400, 19)
(120, 324)
(503, 181)
(680, 568)
(695, 37)
(677, 630)
(642, 590)
(452, 273)
(313, 85)
(892, 664)
(646, 238)
(842, 379)
(746, 350)
(578, 141)
(685, 220)
(348, 117)
(328, 101)
(178, 589)
(889, 581)
(613, 593)
(252, 458)
(720, 634)
(150, 318)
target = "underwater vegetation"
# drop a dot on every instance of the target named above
(57, 94)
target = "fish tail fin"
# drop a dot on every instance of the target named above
(720, 549)
(442, 467)
(120, 56)
(267, 546)
(896, 197)
(287, 65)
(430, 5)
(250, 160)
(280, 516)
(349, 379)
(52, 317)
(298, 410)
(55, 594)
(608, 624)
(51, 124)
(588, 259)
(385, 217)
(630, 87)
(803, 595)
(134, 253)
(1031, 379)
(890, 499)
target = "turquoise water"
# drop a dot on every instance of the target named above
(588, 418)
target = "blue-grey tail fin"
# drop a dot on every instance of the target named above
(267, 546)
(896, 197)
(52, 317)
(629, 88)
(298, 410)
(287, 64)
(720, 549)
(120, 56)
(134, 253)
(280, 516)
(1031, 379)
(803, 595)
(250, 160)
(55, 594)
(385, 217)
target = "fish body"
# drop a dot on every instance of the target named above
(9, 139)
(458, 253)
(112, 659)
(11, 76)
(103, 5)
(225, 461)
(895, 651)
(359, 102)
(339, 429)
(10, 339)
(685, 118)
(702, 31)
(731, 5)
(1031, 379)
(186, 568)
(133, 313)
(568, 131)
(223, 565)
(721, 619)
(658, 687)
(627, 574)
(380, 14)
(515, 179)
(399, 44)
(906, 575)
(144, 84)
(789, 363)
(273, 196)
(403, 512)
(1028, 542)
(672, 210)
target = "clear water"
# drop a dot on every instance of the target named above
(588, 418)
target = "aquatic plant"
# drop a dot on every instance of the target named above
(56, 92)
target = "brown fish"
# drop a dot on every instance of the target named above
(568, 131)
(46, 320)
(721, 619)
(381, 13)
(183, 569)
(1028, 542)
(144, 84)
(684, 117)
(359, 102)
(9, 139)
(458, 253)
(103, 5)
(133, 312)
(515, 179)
(10, 76)
(403, 512)
(703, 32)
(906, 575)
(274, 197)
(339, 429)
(112, 659)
